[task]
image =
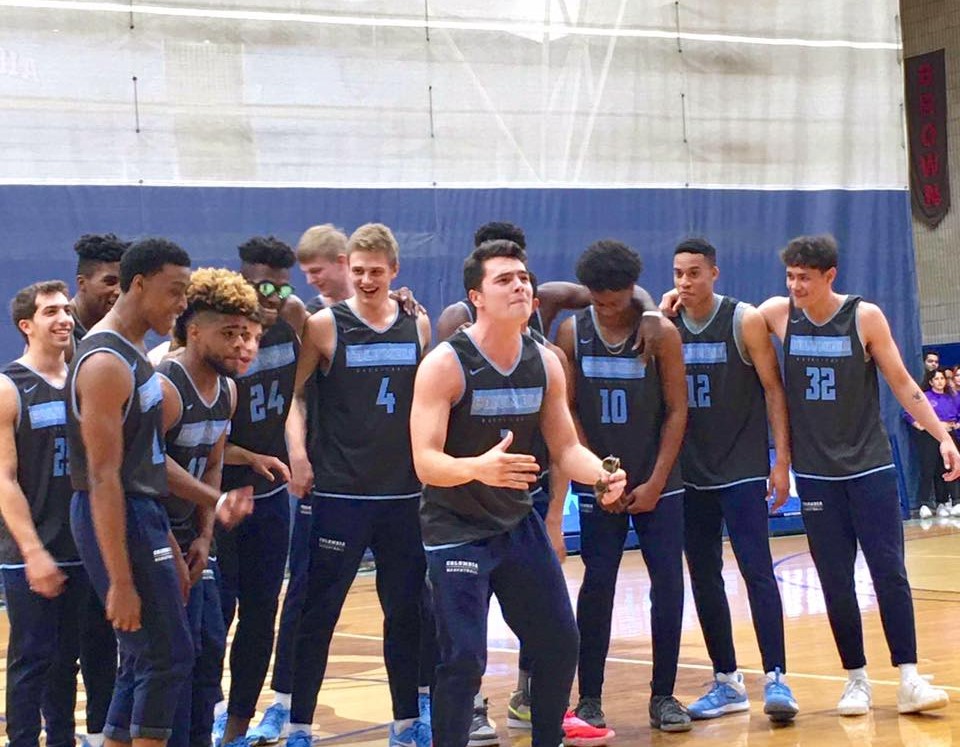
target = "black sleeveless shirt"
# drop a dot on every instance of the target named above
(493, 402)
(143, 472)
(190, 440)
(726, 442)
(620, 404)
(43, 467)
(361, 436)
(833, 397)
(264, 396)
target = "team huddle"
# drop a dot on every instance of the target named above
(146, 495)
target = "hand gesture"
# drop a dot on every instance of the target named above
(237, 506)
(500, 469)
(615, 484)
(266, 465)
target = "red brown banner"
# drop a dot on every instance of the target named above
(926, 98)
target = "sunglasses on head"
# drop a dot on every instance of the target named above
(266, 289)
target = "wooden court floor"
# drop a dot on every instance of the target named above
(354, 705)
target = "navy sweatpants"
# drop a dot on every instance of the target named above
(837, 515)
(522, 570)
(98, 660)
(155, 661)
(343, 528)
(252, 560)
(744, 510)
(299, 565)
(42, 658)
(198, 697)
(541, 507)
(602, 535)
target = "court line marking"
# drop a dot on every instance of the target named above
(681, 665)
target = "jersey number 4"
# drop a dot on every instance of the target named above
(261, 404)
(823, 384)
(386, 398)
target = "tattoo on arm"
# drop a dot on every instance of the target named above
(918, 396)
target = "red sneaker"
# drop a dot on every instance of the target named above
(578, 733)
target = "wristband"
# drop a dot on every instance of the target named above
(220, 501)
(657, 314)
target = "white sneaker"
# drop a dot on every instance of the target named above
(856, 699)
(942, 511)
(916, 695)
(925, 512)
(955, 511)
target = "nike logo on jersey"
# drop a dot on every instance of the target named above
(796, 321)
(190, 406)
(586, 342)
(475, 371)
(30, 389)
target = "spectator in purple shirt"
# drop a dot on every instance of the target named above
(933, 492)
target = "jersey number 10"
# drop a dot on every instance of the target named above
(613, 406)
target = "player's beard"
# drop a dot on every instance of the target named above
(219, 366)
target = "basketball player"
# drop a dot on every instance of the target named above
(253, 556)
(733, 388)
(322, 257)
(198, 402)
(43, 579)
(638, 412)
(98, 279)
(120, 529)
(833, 346)
(98, 286)
(478, 399)
(364, 352)
(553, 297)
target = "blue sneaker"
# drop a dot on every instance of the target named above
(778, 701)
(424, 701)
(272, 727)
(219, 727)
(239, 742)
(300, 738)
(726, 695)
(417, 735)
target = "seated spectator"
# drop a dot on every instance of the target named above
(933, 492)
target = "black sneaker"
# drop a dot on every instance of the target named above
(666, 714)
(590, 711)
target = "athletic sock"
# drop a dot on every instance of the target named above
(908, 672)
(95, 740)
(425, 690)
(282, 699)
(523, 680)
(401, 725)
(308, 728)
(860, 673)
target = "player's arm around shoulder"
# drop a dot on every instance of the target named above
(450, 320)
(294, 313)
(775, 311)
(556, 424)
(424, 332)
(756, 339)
